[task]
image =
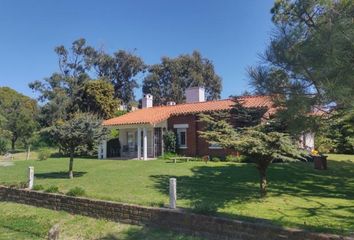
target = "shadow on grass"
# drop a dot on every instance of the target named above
(213, 187)
(58, 175)
(136, 233)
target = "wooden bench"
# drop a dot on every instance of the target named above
(175, 159)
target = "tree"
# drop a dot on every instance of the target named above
(62, 92)
(19, 115)
(336, 132)
(81, 130)
(170, 141)
(98, 98)
(168, 80)
(309, 59)
(258, 142)
(122, 70)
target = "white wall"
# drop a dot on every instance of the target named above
(195, 94)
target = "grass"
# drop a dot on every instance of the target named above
(25, 222)
(20, 154)
(299, 196)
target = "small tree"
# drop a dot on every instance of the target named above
(3, 146)
(256, 142)
(170, 141)
(81, 130)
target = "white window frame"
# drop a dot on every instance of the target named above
(179, 131)
(214, 146)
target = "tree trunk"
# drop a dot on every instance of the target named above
(71, 174)
(263, 182)
(262, 166)
(13, 145)
(28, 152)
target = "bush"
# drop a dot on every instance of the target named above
(43, 154)
(3, 146)
(52, 189)
(170, 141)
(38, 187)
(233, 158)
(215, 159)
(76, 191)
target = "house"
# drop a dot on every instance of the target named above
(141, 132)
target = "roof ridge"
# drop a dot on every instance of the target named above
(183, 104)
(253, 96)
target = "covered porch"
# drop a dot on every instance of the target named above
(141, 142)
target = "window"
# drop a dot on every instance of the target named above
(182, 137)
(214, 146)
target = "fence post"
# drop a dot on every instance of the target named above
(173, 193)
(30, 177)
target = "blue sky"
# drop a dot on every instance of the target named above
(229, 32)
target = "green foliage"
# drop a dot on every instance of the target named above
(18, 116)
(170, 141)
(336, 133)
(114, 133)
(215, 159)
(75, 89)
(38, 187)
(98, 98)
(84, 130)
(255, 142)
(238, 159)
(118, 113)
(43, 154)
(168, 80)
(3, 146)
(76, 192)
(52, 189)
(309, 59)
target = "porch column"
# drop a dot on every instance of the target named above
(102, 150)
(145, 144)
(162, 142)
(139, 143)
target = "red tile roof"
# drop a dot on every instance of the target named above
(160, 113)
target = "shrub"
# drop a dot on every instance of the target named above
(38, 187)
(76, 191)
(43, 154)
(215, 159)
(52, 189)
(233, 158)
(3, 146)
(168, 155)
(230, 158)
(170, 141)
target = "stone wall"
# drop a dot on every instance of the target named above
(198, 225)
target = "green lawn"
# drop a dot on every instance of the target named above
(25, 222)
(299, 196)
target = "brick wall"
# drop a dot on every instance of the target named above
(196, 146)
(198, 225)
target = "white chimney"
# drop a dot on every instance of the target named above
(147, 101)
(171, 103)
(195, 94)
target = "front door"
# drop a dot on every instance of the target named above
(113, 148)
(157, 142)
